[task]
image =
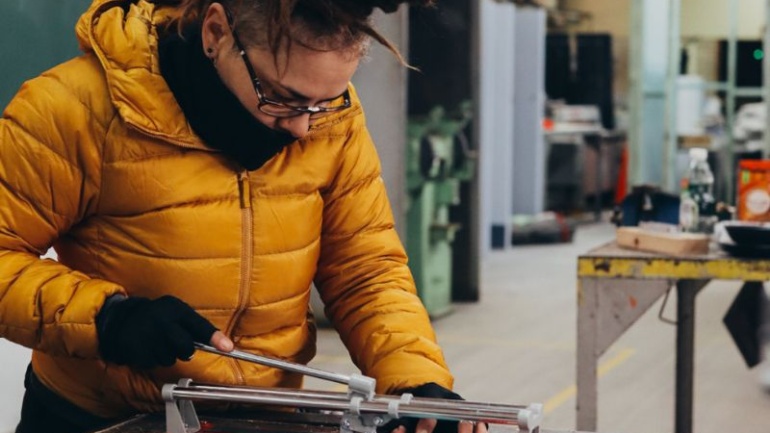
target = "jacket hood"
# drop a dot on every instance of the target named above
(122, 35)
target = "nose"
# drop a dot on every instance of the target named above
(297, 126)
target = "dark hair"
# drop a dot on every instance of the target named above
(323, 25)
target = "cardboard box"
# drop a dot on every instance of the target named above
(753, 200)
(690, 141)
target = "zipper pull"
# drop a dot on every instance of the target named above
(245, 190)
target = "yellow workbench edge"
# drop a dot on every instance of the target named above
(595, 264)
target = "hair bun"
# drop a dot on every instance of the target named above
(389, 6)
(364, 8)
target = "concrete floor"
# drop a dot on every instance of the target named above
(518, 346)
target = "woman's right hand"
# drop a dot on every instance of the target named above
(145, 333)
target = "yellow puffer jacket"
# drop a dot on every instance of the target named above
(98, 161)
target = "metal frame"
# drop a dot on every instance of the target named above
(766, 74)
(648, 91)
(732, 66)
(670, 182)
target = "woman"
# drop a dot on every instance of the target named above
(196, 169)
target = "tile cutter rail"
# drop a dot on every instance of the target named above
(362, 410)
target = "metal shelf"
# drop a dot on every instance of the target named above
(646, 90)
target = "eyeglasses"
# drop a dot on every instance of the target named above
(275, 108)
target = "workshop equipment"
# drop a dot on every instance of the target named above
(361, 410)
(543, 228)
(438, 160)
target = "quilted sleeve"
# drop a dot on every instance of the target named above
(363, 278)
(49, 178)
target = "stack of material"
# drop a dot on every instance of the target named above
(546, 228)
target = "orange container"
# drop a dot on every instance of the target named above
(754, 190)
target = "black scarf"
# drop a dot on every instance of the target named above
(214, 113)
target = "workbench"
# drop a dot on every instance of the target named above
(260, 422)
(616, 286)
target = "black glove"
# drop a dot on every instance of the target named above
(145, 333)
(428, 390)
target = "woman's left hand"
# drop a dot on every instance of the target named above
(428, 425)
(425, 425)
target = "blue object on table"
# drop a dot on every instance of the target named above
(649, 203)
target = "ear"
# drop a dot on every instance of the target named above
(216, 32)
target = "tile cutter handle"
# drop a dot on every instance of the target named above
(357, 384)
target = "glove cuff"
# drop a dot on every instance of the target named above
(432, 390)
(113, 312)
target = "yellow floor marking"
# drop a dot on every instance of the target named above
(559, 399)
(495, 342)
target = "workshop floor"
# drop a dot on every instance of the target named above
(517, 345)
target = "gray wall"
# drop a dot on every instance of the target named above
(494, 93)
(381, 84)
(529, 148)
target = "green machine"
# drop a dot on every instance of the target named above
(438, 160)
(38, 35)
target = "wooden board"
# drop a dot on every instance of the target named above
(677, 244)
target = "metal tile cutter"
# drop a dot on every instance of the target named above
(362, 410)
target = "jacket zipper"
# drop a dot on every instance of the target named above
(247, 237)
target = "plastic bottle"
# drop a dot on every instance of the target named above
(700, 187)
(688, 209)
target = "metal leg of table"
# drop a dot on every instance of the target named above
(685, 353)
(606, 309)
(587, 354)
